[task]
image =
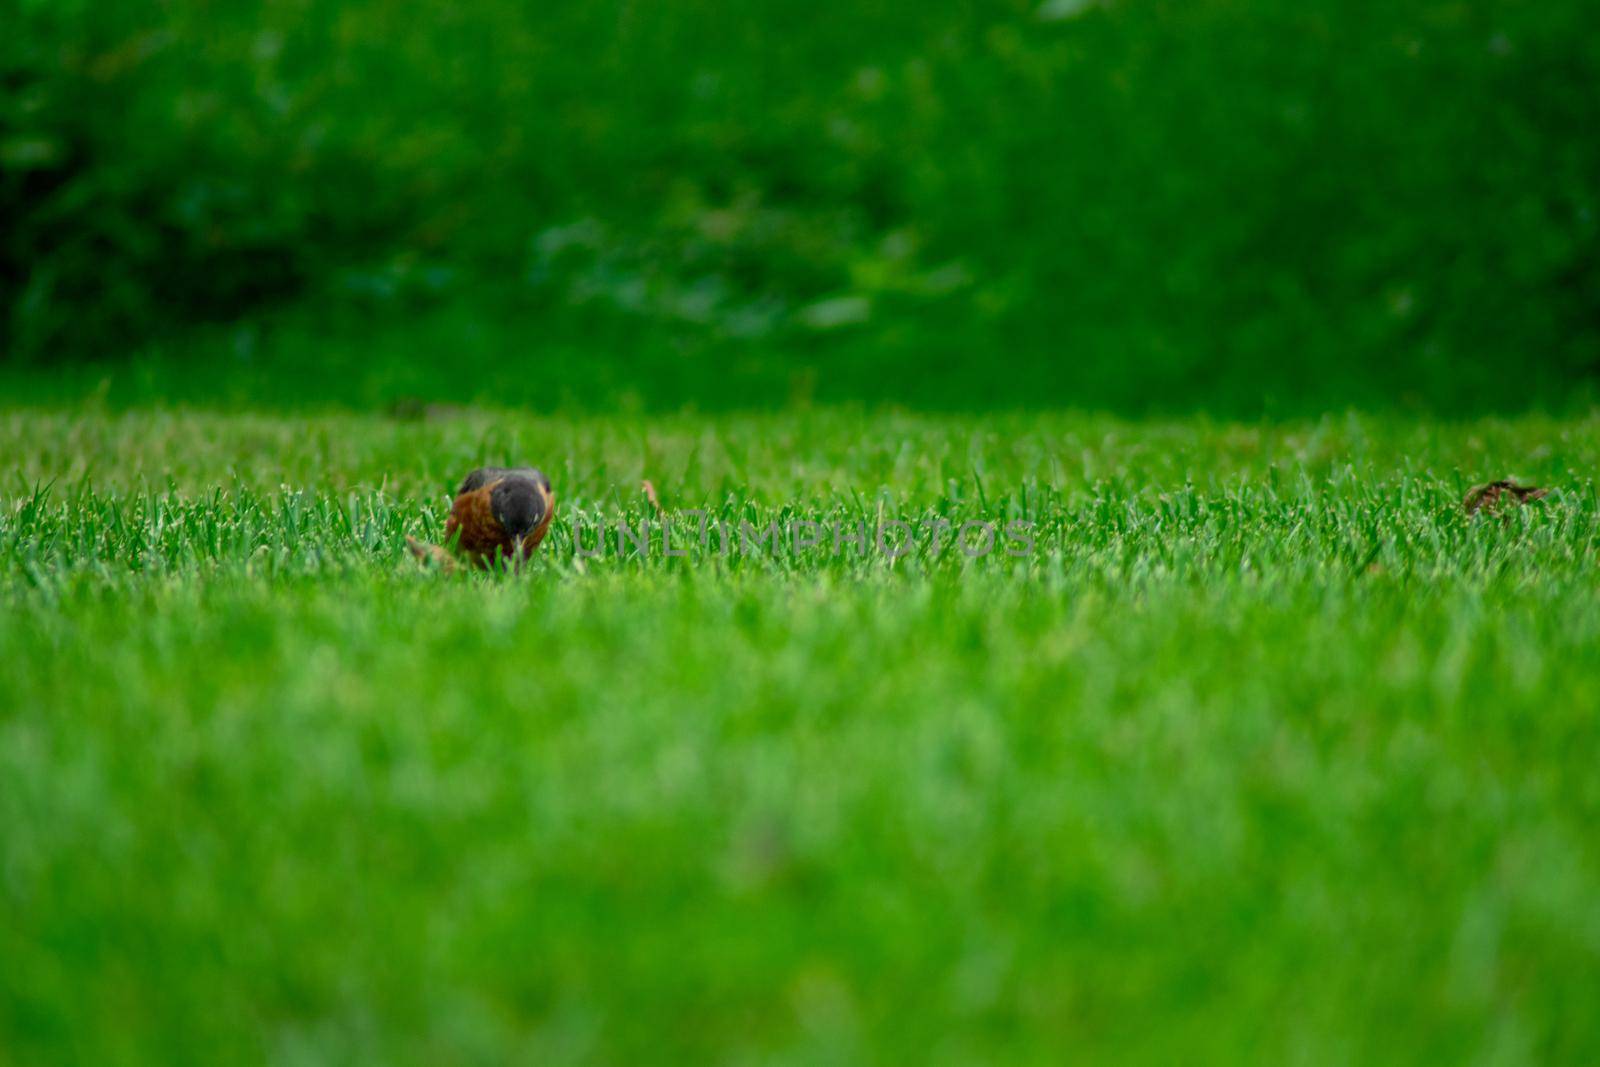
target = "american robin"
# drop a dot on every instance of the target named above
(1488, 498)
(500, 514)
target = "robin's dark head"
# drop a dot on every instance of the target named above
(518, 505)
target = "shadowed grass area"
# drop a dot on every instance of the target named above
(1264, 751)
(1237, 206)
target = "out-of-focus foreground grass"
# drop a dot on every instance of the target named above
(1265, 752)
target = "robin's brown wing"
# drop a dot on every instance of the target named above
(488, 475)
(479, 478)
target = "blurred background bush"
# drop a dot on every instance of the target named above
(1235, 205)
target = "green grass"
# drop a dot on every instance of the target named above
(1267, 753)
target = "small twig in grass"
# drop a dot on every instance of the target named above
(649, 488)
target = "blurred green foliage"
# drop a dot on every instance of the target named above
(1221, 203)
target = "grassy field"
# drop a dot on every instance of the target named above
(1264, 752)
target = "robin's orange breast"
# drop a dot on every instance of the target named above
(472, 527)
